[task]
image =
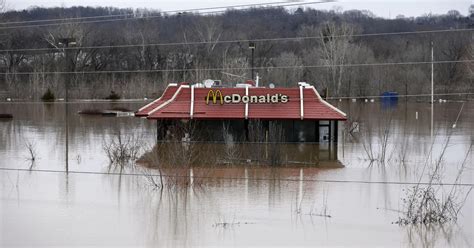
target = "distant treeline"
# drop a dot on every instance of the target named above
(337, 56)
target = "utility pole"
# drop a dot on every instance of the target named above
(65, 43)
(252, 47)
(432, 89)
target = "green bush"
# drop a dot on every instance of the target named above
(48, 96)
(113, 96)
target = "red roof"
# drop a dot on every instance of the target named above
(176, 103)
(167, 94)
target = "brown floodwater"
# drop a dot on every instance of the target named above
(98, 204)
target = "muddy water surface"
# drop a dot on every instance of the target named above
(236, 205)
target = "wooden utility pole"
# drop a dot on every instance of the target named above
(432, 90)
(66, 43)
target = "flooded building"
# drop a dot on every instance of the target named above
(258, 124)
(245, 112)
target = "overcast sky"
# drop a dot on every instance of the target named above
(382, 8)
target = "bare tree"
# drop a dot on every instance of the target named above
(325, 44)
(229, 63)
(287, 77)
(336, 38)
(3, 6)
(452, 47)
(209, 30)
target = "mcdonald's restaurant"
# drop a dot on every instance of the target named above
(246, 114)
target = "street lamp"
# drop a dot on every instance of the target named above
(252, 47)
(67, 42)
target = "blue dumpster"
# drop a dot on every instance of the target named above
(389, 99)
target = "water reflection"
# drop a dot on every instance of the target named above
(436, 236)
(126, 209)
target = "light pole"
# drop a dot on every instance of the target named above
(252, 47)
(432, 90)
(65, 43)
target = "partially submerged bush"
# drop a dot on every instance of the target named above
(175, 158)
(424, 207)
(428, 203)
(48, 96)
(377, 151)
(122, 149)
(31, 147)
(113, 96)
(267, 143)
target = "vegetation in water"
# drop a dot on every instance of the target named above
(48, 96)
(432, 203)
(113, 96)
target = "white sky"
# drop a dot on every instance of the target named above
(382, 8)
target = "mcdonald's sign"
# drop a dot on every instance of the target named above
(215, 95)
(236, 98)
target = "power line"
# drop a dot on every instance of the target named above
(134, 14)
(160, 16)
(95, 21)
(243, 68)
(283, 39)
(409, 95)
(241, 178)
(329, 98)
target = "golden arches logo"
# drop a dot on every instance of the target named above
(214, 95)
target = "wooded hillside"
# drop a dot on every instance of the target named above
(337, 52)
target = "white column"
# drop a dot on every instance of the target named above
(191, 111)
(301, 103)
(247, 103)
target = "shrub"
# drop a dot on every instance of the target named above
(48, 96)
(113, 96)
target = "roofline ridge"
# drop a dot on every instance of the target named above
(326, 103)
(169, 100)
(156, 100)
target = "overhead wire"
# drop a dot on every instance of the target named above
(279, 39)
(238, 178)
(408, 95)
(78, 101)
(243, 68)
(160, 16)
(135, 14)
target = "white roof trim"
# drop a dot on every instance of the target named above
(170, 100)
(326, 103)
(149, 104)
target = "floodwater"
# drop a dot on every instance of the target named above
(97, 204)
